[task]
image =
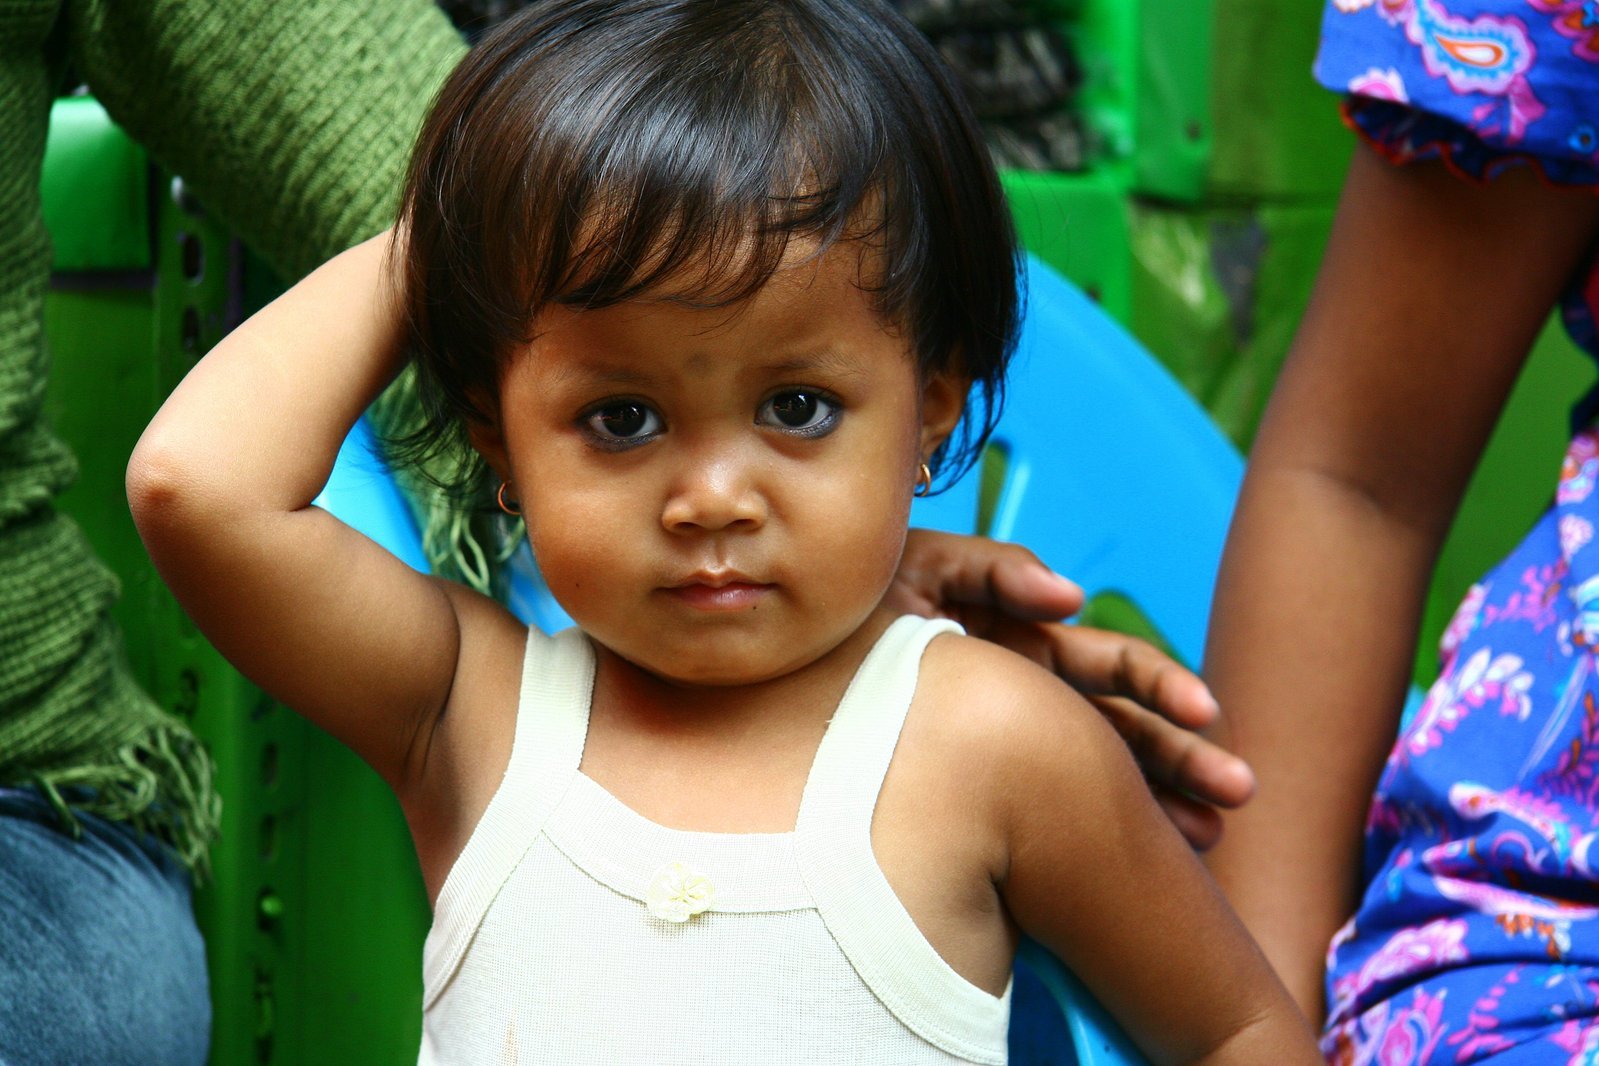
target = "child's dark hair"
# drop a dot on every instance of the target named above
(588, 152)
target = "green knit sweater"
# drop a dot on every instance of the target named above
(292, 120)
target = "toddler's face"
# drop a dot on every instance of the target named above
(721, 497)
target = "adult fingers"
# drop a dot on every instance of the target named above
(1099, 662)
(953, 571)
(1199, 823)
(1177, 759)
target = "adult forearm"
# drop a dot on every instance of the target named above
(1317, 608)
(1399, 370)
(1277, 1038)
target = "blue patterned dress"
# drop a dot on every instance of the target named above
(1477, 937)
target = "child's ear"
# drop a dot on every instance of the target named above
(488, 440)
(943, 401)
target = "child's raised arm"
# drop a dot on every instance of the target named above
(221, 486)
(1094, 871)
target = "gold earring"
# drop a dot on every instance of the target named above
(514, 512)
(924, 481)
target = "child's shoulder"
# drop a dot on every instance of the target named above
(992, 743)
(977, 684)
(984, 705)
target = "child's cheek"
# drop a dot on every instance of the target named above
(581, 559)
(854, 543)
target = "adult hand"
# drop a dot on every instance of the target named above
(1003, 593)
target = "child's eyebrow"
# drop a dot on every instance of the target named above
(590, 371)
(824, 360)
(605, 375)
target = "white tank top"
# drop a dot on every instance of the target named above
(574, 930)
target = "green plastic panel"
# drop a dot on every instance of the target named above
(1105, 36)
(1173, 128)
(1277, 134)
(1145, 95)
(1217, 295)
(95, 193)
(1077, 223)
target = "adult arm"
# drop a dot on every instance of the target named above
(1429, 297)
(292, 120)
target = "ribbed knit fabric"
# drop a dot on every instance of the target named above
(547, 946)
(292, 120)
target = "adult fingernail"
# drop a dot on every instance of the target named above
(1066, 583)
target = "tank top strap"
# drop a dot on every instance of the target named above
(551, 725)
(853, 758)
(833, 842)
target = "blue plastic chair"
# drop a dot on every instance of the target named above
(1113, 475)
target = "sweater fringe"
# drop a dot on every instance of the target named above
(161, 785)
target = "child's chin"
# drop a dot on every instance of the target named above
(708, 669)
(720, 657)
(718, 675)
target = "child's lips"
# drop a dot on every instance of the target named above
(720, 591)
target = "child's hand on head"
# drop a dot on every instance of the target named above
(1003, 593)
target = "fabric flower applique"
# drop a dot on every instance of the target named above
(677, 893)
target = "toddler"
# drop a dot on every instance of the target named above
(707, 284)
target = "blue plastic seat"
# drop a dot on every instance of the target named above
(1113, 475)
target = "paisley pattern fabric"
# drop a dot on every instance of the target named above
(1477, 937)
(1517, 73)
(1477, 933)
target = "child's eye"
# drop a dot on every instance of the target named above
(802, 410)
(618, 422)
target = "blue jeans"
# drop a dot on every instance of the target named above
(100, 960)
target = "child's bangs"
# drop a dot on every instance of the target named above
(688, 185)
(703, 247)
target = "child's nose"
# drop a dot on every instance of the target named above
(713, 493)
